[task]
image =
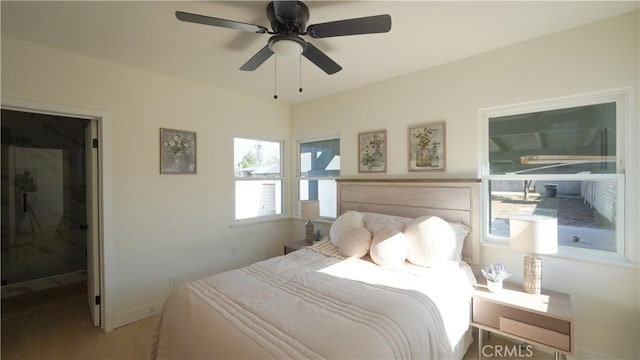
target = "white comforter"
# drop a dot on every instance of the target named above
(309, 305)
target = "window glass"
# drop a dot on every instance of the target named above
(326, 193)
(560, 161)
(257, 158)
(258, 172)
(562, 141)
(586, 209)
(319, 166)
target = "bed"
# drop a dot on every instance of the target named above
(322, 302)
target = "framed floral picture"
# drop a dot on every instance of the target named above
(177, 151)
(372, 151)
(427, 147)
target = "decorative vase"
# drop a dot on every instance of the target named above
(494, 286)
(176, 162)
(180, 163)
(377, 158)
(435, 160)
(423, 157)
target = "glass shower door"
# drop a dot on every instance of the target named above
(44, 221)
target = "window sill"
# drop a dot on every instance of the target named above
(575, 255)
(260, 220)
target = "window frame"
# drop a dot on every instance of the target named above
(281, 178)
(621, 99)
(299, 176)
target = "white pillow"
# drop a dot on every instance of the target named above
(345, 222)
(389, 248)
(431, 241)
(377, 222)
(355, 242)
(461, 231)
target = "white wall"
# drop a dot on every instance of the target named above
(600, 56)
(162, 225)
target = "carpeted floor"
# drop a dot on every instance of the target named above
(55, 324)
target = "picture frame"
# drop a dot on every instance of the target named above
(177, 151)
(427, 146)
(372, 151)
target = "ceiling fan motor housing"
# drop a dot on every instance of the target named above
(296, 25)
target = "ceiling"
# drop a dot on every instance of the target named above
(424, 34)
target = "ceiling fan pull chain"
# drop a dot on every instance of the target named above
(275, 77)
(300, 88)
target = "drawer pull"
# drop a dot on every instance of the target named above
(535, 333)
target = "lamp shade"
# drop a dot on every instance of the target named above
(309, 209)
(534, 234)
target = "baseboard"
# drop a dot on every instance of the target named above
(48, 282)
(138, 314)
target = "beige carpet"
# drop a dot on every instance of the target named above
(55, 324)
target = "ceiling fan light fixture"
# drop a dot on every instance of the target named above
(287, 46)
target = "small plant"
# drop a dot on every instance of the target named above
(317, 235)
(495, 272)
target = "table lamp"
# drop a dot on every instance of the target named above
(534, 235)
(309, 210)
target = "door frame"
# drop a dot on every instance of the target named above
(105, 231)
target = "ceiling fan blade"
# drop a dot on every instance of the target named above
(208, 20)
(356, 26)
(321, 60)
(285, 11)
(257, 59)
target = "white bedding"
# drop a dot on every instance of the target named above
(310, 305)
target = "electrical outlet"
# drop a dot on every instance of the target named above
(173, 281)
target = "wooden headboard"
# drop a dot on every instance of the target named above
(456, 200)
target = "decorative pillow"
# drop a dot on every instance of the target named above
(389, 248)
(345, 222)
(461, 231)
(378, 222)
(355, 242)
(431, 241)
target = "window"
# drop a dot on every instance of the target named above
(258, 177)
(319, 166)
(558, 158)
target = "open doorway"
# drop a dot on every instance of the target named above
(48, 205)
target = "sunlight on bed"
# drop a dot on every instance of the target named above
(448, 286)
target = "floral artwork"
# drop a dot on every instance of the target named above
(427, 147)
(372, 151)
(177, 151)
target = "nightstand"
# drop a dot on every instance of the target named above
(296, 245)
(543, 320)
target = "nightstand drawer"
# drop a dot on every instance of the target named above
(535, 333)
(534, 326)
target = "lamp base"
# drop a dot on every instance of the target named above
(310, 231)
(532, 276)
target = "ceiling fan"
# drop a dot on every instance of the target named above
(288, 23)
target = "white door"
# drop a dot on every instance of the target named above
(93, 223)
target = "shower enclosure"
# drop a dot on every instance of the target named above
(44, 221)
